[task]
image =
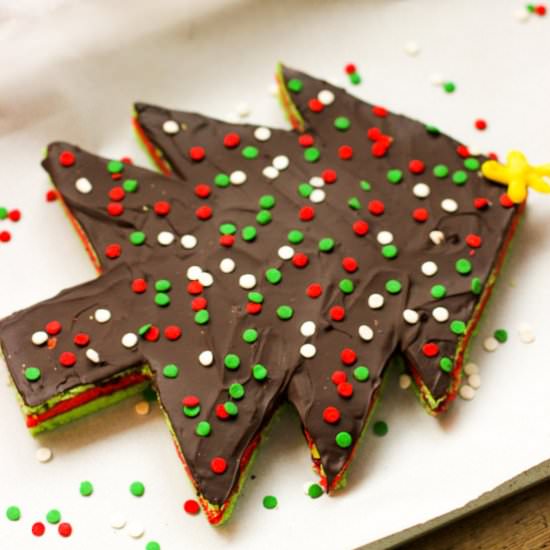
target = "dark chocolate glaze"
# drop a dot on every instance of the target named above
(305, 382)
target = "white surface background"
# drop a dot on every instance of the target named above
(70, 70)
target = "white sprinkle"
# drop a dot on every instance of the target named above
(475, 381)
(165, 238)
(44, 454)
(135, 530)
(273, 89)
(308, 351)
(83, 185)
(467, 392)
(405, 381)
(142, 408)
(411, 316)
(232, 117)
(440, 314)
(262, 133)
(490, 344)
(326, 97)
(117, 522)
(308, 328)
(281, 162)
(93, 356)
(270, 172)
(129, 340)
(238, 177)
(526, 336)
(227, 265)
(411, 48)
(285, 252)
(429, 268)
(384, 237)
(376, 301)
(437, 237)
(471, 368)
(317, 181)
(521, 15)
(365, 333)
(449, 205)
(39, 338)
(317, 196)
(421, 190)
(188, 241)
(247, 281)
(206, 279)
(170, 127)
(102, 315)
(436, 79)
(206, 358)
(193, 272)
(243, 109)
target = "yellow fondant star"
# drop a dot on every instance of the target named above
(518, 175)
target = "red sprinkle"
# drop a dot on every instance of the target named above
(420, 215)
(81, 339)
(115, 209)
(5, 236)
(338, 376)
(113, 251)
(194, 288)
(221, 413)
(67, 158)
(505, 201)
(379, 111)
(38, 529)
(227, 240)
(231, 140)
(307, 213)
(203, 213)
(463, 151)
(116, 193)
(67, 359)
(350, 264)
(53, 328)
(306, 140)
(65, 529)
(480, 124)
(191, 507)
(139, 286)
(329, 175)
(345, 389)
(331, 415)
(345, 152)
(360, 227)
(350, 68)
(348, 356)
(190, 401)
(473, 240)
(199, 303)
(51, 195)
(337, 313)
(218, 465)
(162, 208)
(197, 153)
(202, 190)
(374, 134)
(14, 215)
(172, 332)
(430, 349)
(314, 290)
(540, 10)
(481, 203)
(153, 334)
(300, 260)
(416, 167)
(376, 207)
(253, 308)
(379, 149)
(315, 105)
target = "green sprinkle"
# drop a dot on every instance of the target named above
(149, 394)
(500, 335)
(32, 374)
(3, 213)
(270, 502)
(263, 217)
(354, 203)
(231, 361)
(326, 244)
(471, 164)
(446, 364)
(295, 236)
(294, 85)
(144, 329)
(162, 299)
(256, 297)
(389, 251)
(460, 177)
(13, 513)
(361, 373)
(458, 327)
(365, 185)
(231, 408)
(312, 154)
(130, 186)
(433, 130)
(170, 370)
(380, 428)
(259, 372)
(203, 428)
(137, 489)
(228, 228)
(250, 335)
(236, 391)
(355, 78)
(305, 190)
(273, 276)
(440, 171)
(248, 233)
(202, 317)
(53, 516)
(191, 412)
(463, 266)
(222, 180)
(438, 291)
(394, 175)
(152, 545)
(476, 285)
(342, 123)
(250, 152)
(137, 238)
(449, 87)
(343, 440)
(115, 166)
(163, 285)
(346, 286)
(266, 202)
(393, 286)
(285, 313)
(86, 488)
(315, 490)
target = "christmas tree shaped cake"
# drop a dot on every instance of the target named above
(265, 266)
